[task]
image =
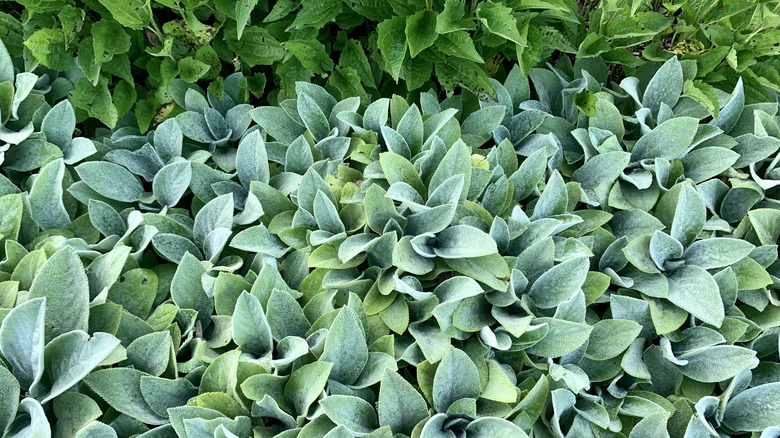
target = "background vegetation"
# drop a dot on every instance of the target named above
(125, 55)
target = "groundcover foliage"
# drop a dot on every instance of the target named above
(576, 257)
(127, 58)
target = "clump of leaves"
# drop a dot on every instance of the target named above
(574, 258)
(132, 55)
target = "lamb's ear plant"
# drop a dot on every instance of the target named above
(575, 258)
(24, 144)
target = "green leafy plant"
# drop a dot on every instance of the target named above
(131, 55)
(575, 257)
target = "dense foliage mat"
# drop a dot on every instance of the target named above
(578, 257)
(121, 58)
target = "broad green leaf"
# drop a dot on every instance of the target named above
(306, 384)
(693, 289)
(456, 378)
(340, 431)
(392, 43)
(104, 271)
(499, 387)
(129, 13)
(664, 248)
(707, 162)
(96, 100)
(136, 291)
(529, 174)
(217, 213)
(46, 201)
(398, 169)
(33, 423)
(492, 426)
(32, 153)
(22, 342)
(765, 224)
(257, 47)
(326, 215)
(703, 93)
(28, 265)
(562, 337)
(608, 117)
(353, 56)
(168, 139)
(109, 39)
(754, 409)
(668, 140)
(498, 20)
(313, 117)
(491, 270)
(151, 353)
(9, 390)
(250, 327)
(689, 216)
(718, 363)
(110, 180)
(601, 168)
(73, 355)
(666, 317)
(194, 126)
(464, 241)
(610, 337)
(731, 112)
(285, 316)
(243, 9)
(665, 86)
(400, 406)
(405, 257)
(7, 69)
(258, 239)
(277, 123)
(252, 160)
(298, 157)
(172, 182)
(172, 247)
(354, 413)
(311, 184)
(456, 72)
(717, 252)
(316, 14)
(457, 161)
(179, 414)
(652, 425)
(161, 394)
(750, 275)
(458, 43)
(451, 19)
(481, 123)
(346, 347)
(554, 199)
(559, 283)
(60, 122)
(63, 282)
(96, 429)
(121, 388)
(187, 290)
(430, 338)
(46, 45)
(420, 31)
(412, 128)
(11, 222)
(74, 411)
